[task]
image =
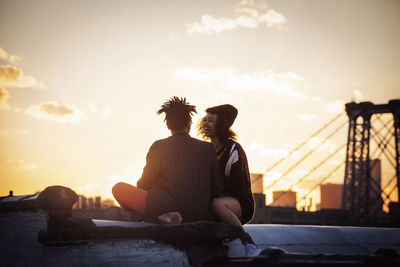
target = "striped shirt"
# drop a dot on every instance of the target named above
(181, 174)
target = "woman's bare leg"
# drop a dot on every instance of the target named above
(227, 210)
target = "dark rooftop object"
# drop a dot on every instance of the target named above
(278, 257)
(67, 241)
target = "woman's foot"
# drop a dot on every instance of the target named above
(252, 250)
(170, 218)
(238, 248)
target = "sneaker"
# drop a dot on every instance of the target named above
(251, 250)
(170, 218)
(236, 248)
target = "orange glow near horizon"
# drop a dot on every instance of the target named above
(78, 98)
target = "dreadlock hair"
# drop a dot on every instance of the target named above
(178, 113)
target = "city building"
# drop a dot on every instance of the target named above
(290, 215)
(331, 196)
(106, 203)
(81, 204)
(284, 199)
(91, 203)
(257, 185)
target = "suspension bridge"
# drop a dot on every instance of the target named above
(373, 132)
(40, 229)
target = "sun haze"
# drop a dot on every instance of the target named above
(80, 83)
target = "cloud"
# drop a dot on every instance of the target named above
(105, 114)
(204, 74)
(247, 22)
(250, 8)
(308, 117)
(223, 97)
(93, 107)
(298, 172)
(208, 24)
(334, 162)
(286, 84)
(272, 176)
(278, 83)
(29, 167)
(321, 144)
(89, 189)
(9, 57)
(56, 112)
(14, 77)
(10, 73)
(10, 132)
(250, 15)
(271, 18)
(4, 97)
(336, 106)
(22, 165)
(115, 178)
(131, 177)
(261, 150)
(276, 153)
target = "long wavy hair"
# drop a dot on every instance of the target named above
(224, 132)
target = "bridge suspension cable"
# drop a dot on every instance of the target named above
(393, 188)
(317, 166)
(312, 170)
(299, 146)
(333, 171)
(306, 156)
(321, 181)
(342, 164)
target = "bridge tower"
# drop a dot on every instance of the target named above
(357, 178)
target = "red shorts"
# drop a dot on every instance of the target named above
(130, 197)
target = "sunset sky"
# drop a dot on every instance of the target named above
(81, 81)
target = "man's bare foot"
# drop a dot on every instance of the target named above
(170, 218)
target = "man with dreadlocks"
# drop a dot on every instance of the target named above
(181, 175)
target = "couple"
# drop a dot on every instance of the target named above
(187, 180)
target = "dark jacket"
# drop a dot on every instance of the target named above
(181, 174)
(234, 167)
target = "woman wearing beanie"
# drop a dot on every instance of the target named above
(236, 205)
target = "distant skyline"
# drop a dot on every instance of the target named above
(80, 82)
